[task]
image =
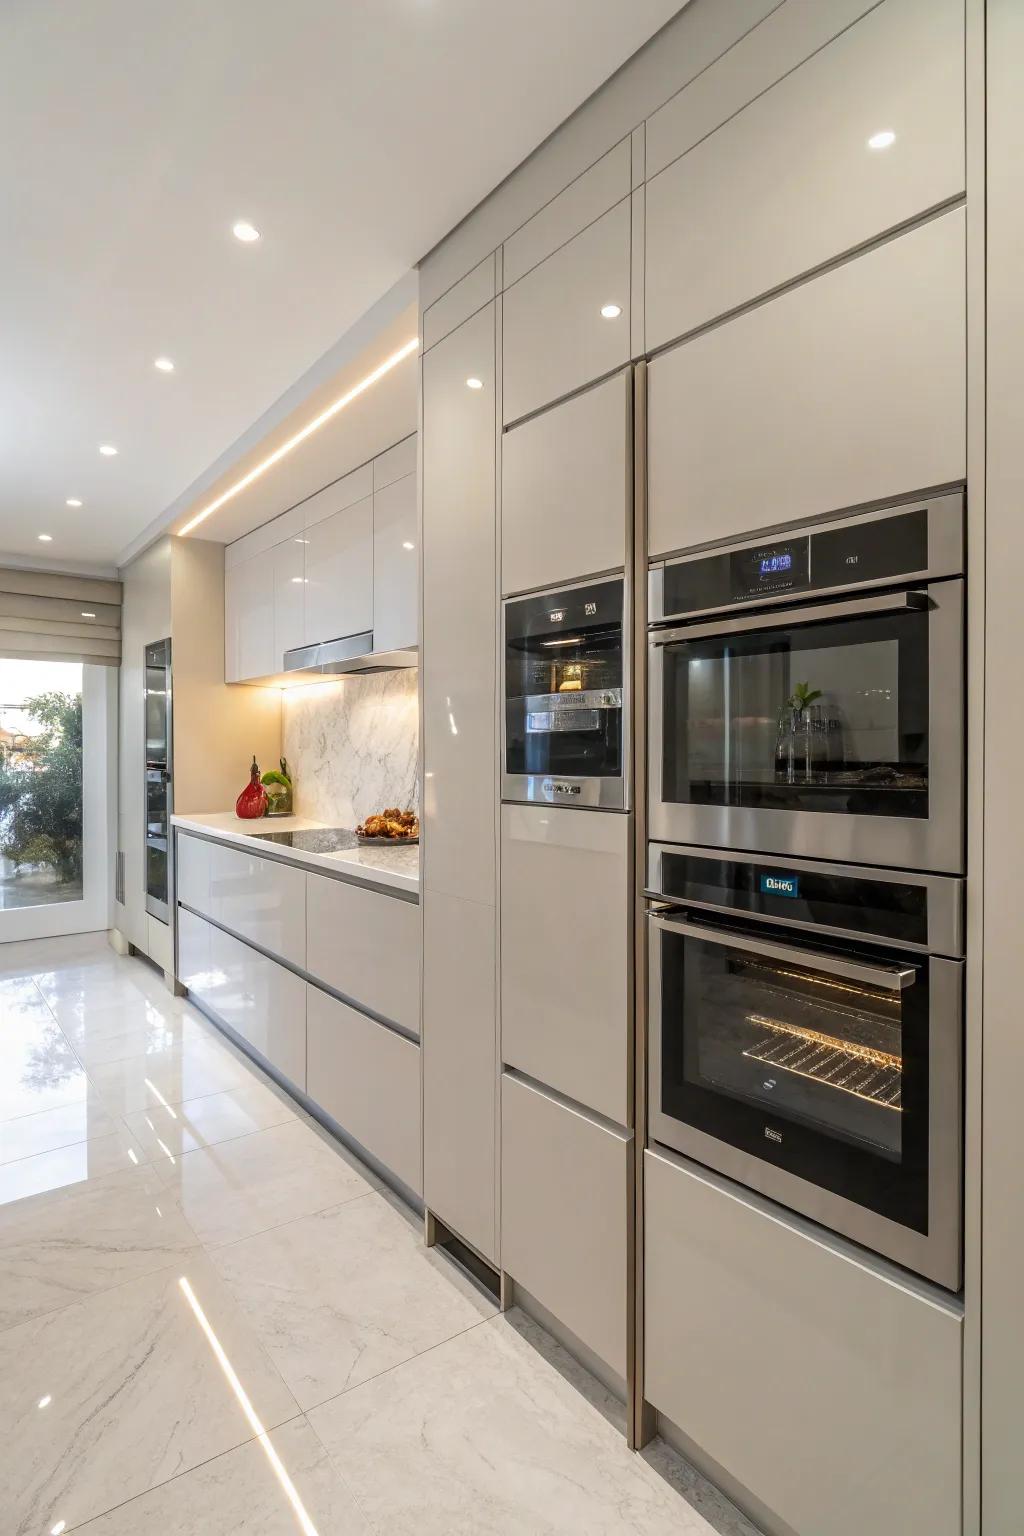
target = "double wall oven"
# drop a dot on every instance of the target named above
(806, 771)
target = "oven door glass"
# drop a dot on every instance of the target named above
(812, 1060)
(828, 716)
(563, 683)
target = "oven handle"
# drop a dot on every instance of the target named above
(893, 978)
(889, 602)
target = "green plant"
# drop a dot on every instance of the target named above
(802, 695)
(41, 789)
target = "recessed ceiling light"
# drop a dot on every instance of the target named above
(882, 139)
(245, 231)
(475, 383)
(164, 364)
(44, 1402)
(46, 538)
(73, 501)
(86, 615)
(108, 450)
(611, 311)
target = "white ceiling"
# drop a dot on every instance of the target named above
(353, 133)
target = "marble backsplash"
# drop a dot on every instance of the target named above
(351, 745)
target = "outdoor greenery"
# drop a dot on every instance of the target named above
(41, 788)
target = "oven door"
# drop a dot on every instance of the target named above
(827, 1080)
(832, 730)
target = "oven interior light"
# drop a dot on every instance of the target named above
(565, 640)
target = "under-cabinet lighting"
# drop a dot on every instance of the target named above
(300, 436)
(882, 139)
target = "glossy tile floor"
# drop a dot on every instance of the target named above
(214, 1320)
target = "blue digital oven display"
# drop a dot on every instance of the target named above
(777, 561)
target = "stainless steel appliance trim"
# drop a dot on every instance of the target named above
(945, 898)
(558, 789)
(935, 842)
(580, 698)
(891, 978)
(945, 552)
(323, 652)
(791, 618)
(936, 1254)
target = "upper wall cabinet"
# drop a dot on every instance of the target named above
(847, 389)
(567, 321)
(863, 136)
(566, 489)
(289, 597)
(339, 574)
(395, 567)
(249, 618)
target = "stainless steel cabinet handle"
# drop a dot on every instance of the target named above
(892, 978)
(786, 618)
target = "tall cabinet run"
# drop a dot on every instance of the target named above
(459, 792)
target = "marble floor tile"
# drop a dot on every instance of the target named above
(38, 1068)
(486, 1436)
(188, 1071)
(242, 1187)
(341, 1296)
(28, 957)
(143, 1031)
(48, 1129)
(133, 1393)
(57, 1248)
(204, 1122)
(242, 1494)
(70, 1167)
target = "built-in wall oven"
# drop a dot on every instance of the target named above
(159, 797)
(807, 691)
(806, 1040)
(566, 688)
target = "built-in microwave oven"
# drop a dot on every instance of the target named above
(807, 691)
(806, 1040)
(565, 738)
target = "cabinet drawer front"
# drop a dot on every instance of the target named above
(554, 337)
(564, 1204)
(192, 872)
(566, 489)
(366, 946)
(193, 952)
(791, 182)
(368, 1079)
(260, 900)
(830, 1392)
(339, 574)
(848, 389)
(565, 941)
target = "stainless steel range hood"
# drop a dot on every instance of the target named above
(352, 653)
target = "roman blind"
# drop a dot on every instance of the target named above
(46, 617)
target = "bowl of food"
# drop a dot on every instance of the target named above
(390, 826)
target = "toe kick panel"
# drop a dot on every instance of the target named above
(830, 1391)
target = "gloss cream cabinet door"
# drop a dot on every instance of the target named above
(261, 900)
(850, 388)
(554, 336)
(339, 574)
(395, 566)
(193, 951)
(367, 1078)
(565, 1194)
(565, 944)
(233, 593)
(867, 134)
(289, 560)
(567, 489)
(365, 946)
(830, 1390)
(192, 871)
(249, 618)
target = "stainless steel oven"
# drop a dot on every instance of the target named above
(159, 787)
(806, 1040)
(807, 691)
(565, 736)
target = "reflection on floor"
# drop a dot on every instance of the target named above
(213, 1319)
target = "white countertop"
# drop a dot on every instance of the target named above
(397, 868)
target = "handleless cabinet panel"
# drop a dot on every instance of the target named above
(193, 951)
(850, 388)
(395, 566)
(792, 182)
(566, 489)
(395, 463)
(368, 1078)
(289, 597)
(234, 583)
(565, 945)
(249, 618)
(366, 946)
(831, 1392)
(565, 1190)
(192, 871)
(554, 337)
(339, 573)
(260, 899)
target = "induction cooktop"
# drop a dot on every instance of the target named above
(317, 840)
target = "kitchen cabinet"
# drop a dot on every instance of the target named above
(848, 389)
(289, 561)
(395, 566)
(365, 946)
(554, 337)
(249, 618)
(829, 1389)
(565, 1002)
(261, 900)
(791, 181)
(565, 1195)
(567, 489)
(339, 574)
(367, 1078)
